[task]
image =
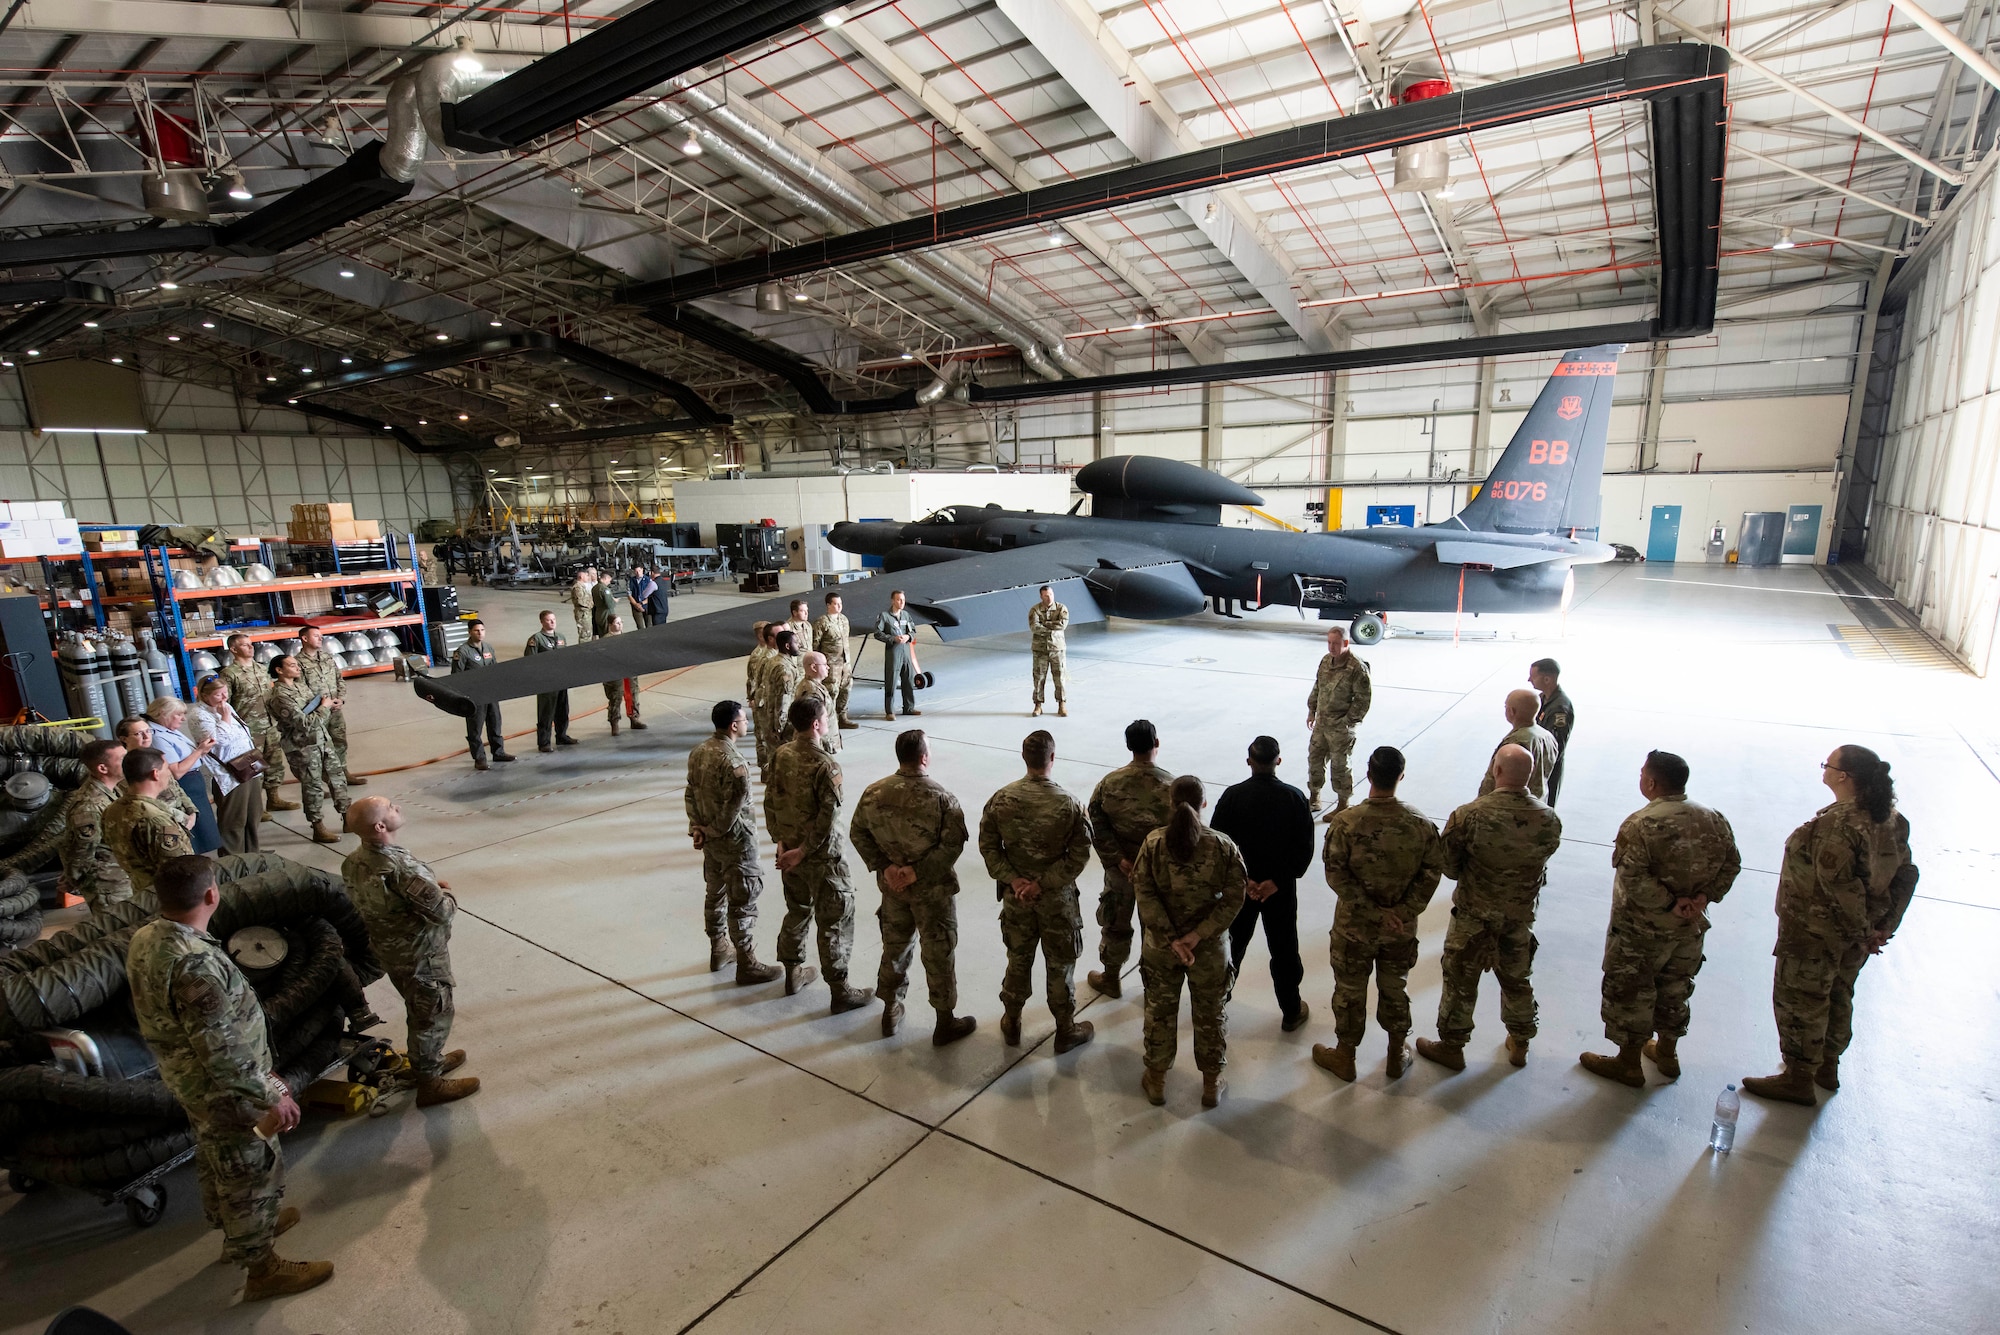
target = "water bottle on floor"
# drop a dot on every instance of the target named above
(1722, 1132)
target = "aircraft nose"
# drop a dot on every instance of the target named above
(869, 537)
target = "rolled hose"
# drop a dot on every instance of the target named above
(30, 741)
(85, 934)
(18, 898)
(292, 895)
(18, 931)
(47, 833)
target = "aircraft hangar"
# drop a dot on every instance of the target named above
(1638, 353)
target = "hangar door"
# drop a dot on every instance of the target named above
(1663, 539)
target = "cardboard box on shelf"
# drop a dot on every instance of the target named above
(306, 602)
(14, 547)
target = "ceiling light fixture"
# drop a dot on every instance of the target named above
(306, 369)
(115, 361)
(34, 352)
(271, 379)
(494, 323)
(465, 417)
(555, 405)
(291, 400)
(465, 62)
(442, 338)
(691, 146)
(347, 273)
(1056, 238)
(801, 296)
(1784, 241)
(90, 324)
(169, 285)
(171, 338)
(834, 17)
(903, 357)
(238, 188)
(208, 324)
(423, 421)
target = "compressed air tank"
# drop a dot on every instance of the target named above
(128, 677)
(161, 679)
(84, 675)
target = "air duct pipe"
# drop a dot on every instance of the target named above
(414, 96)
(1041, 348)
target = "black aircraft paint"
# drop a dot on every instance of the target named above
(1155, 548)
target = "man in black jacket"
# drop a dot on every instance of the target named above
(1272, 825)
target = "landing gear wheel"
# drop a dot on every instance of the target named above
(145, 1206)
(1367, 628)
(22, 1184)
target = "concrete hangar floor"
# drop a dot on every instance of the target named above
(656, 1150)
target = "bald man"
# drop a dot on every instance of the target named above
(408, 913)
(1540, 744)
(1497, 847)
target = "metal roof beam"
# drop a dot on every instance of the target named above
(282, 24)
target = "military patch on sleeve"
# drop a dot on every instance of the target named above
(198, 996)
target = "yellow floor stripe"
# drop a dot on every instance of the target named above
(1893, 644)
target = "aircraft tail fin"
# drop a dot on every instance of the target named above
(1550, 478)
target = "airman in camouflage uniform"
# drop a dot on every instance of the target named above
(1846, 882)
(1186, 905)
(141, 831)
(621, 693)
(306, 746)
(779, 686)
(1047, 620)
(249, 692)
(1383, 860)
(909, 831)
(1673, 859)
(1035, 839)
(814, 686)
(1557, 716)
(1497, 847)
(320, 671)
(753, 671)
(206, 1027)
(802, 811)
(88, 864)
(721, 826)
(830, 636)
(581, 596)
(1335, 707)
(1128, 804)
(1530, 737)
(799, 624)
(408, 913)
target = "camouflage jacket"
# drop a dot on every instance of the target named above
(86, 859)
(298, 730)
(779, 686)
(1667, 850)
(1341, 692)
(249, 689)
(580, 597)
(802, 633)
(173, 797)
(1536, 741)
(319, 671)
(753, 673)
(142, 833)
(1200, 895)
(829, 741)
(408, 914)
(830, 635)
(1497, 847)
(1128, 804)
(718, 792)
(470, 657)
(1046, 625)
(197, 1013)
(1557, 716)
(1844, 876)
(1033, 828)
(910, 820)
(802, 799)
(1381, 856)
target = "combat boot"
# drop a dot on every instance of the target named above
(799, 977)
(273, 802)
(1154, 1083)
(1794, 1084)
(1623, 1067)
(286, 1218)
(720, 954)
(1339, 1060)
(322, 835)
(1010, 1027)
(1036, 712)
(614, 727)
(751, 971)
(1828, 1076)
(1062, 710)
(481, 766)
(847, 998)
(1105, 983)
(1297, 1020)
(274, 1277)
(502, 758)
(1449, 1055)
(1517, 1051)
(1074, 1035)
(635, 725)
(1211, 1088)
(437, 1089)
(951, 1028)
(1662, 1051)
(1399, 1057)
(849, 723)
(892, 1018)
(1312, 801)
(451, 1061)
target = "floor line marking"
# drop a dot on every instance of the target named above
(1763, 588)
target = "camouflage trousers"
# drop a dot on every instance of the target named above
(1390, 959)
(767, 737)
(1648, 977)
(582, 616)
(427, 1005)
(839, 681)
(320, 776)
(819, 894)
(1472, 945)
(920, 915)
(1115, 910)
(1209, 982)
(623, 694)
(1326, 757)
(1812, 997)
(734, 880)
(1053, 920)
(1049, 663)
(336, 738)
(101, 901)
(271, 747)
(241, 1188)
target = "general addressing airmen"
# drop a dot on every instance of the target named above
(1525, 733)
(1497, 847)
(87, 861)
(1335, 707)
(206, 1027)
(249, 693)
(1673, 859)
(301, 718)
(1047, 620)
(802, 809)
(321, 671)
(909, 831)
(471, 656)
(721, 826)
(142, 832)
(408, 912)
(1035, 839)
(1846, 882)
(830, 636)
(1128, 804)
(1383, 860)
(898, 634)
(1557, 715)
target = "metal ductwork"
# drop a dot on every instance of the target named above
(415, 97)
(409, 439)
(66, 305)
(800, 374)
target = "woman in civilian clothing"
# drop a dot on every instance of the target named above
(189, 793)
(241, 804)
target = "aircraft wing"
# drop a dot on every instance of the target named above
(1501, 556)
(979, 594)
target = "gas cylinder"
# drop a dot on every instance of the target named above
(128, 677)
(83, 679)
(161, 678)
